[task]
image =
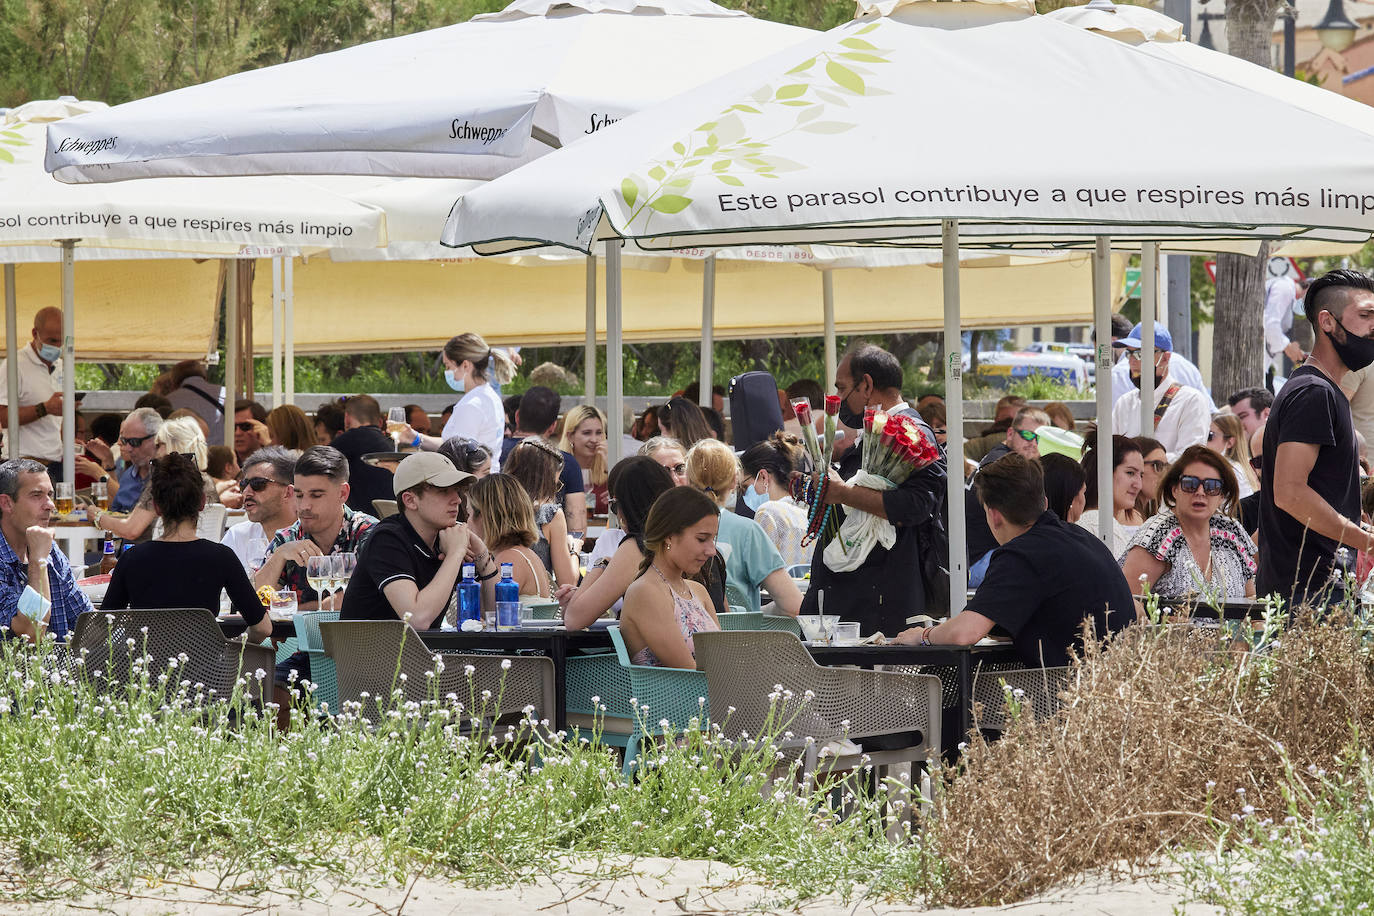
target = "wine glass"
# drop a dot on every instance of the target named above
(257, 553)
(341, 569)
(395, 424)
(319, 573)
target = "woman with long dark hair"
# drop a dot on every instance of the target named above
(682, 420)
(1128, 471)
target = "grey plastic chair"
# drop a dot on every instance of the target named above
(211, 659)
(744, 666)
(1040, 689)
(371, 655)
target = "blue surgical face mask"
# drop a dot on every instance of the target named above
(453, 380)
(48, 353)
(754, 499)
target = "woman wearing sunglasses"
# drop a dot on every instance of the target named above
(1194, 546)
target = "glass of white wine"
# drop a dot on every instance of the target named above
(343, 564)
(66, 502)
(319, 573)
(396, 424)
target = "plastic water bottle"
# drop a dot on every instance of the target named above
(469, 596)
(507, 600)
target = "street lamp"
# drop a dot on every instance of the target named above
(1336, 30)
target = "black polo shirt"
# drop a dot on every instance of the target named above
(393, 551)
(1043, 584)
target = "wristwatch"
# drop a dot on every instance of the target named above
(40, 410)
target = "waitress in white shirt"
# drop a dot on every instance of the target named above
(469, 367)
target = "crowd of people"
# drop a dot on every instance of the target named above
(1217, 505)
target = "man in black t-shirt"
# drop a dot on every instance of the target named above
(1046, 578)
(412, 560)
(536, 416)
(363, 435)
(1309, 483)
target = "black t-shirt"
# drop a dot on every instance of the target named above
(179, 574)
(888, 587)
(365, 482)
(980, 539)
(571, 475)
(1041, 586)
(393, 551)
(1295, 562)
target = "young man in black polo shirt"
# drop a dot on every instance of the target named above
(412, 560)
(1044, 580)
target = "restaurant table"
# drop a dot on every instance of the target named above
(233, 625)
(73, 535)
(554, 642)
(961, 658)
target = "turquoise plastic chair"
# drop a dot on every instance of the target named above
(322, 671)
(670, 693)
(601, 675)
(741, 620)
(778, 622)
(285, 649)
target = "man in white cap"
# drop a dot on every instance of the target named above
(412, 560)
(1182, 414)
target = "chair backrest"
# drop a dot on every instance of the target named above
(112, 640)
(780, 622)
(618, 642)
(308, 629)
(743, 666)
(371, 655)
(210, 524)
(385, 508)
(741, 620)
(674, 694)
(1039, 690)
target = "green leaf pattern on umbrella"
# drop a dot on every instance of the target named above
(724, 149)
(8, 140)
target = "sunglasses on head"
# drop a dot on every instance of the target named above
(133, 441)
(1028, 435)
(258, 484)
(1211, 486)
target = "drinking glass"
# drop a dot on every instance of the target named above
(395, 424)
(66, 502)
(257, 553)
(283, 606)
(342, 565)
(100, 494)
(319, 573)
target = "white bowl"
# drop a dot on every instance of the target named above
(817, 627)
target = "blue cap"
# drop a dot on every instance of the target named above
(1134, 341)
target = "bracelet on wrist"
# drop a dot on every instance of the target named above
(490, 575)
(415, 443)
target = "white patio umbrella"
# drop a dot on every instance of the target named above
(213, 217)
(830, 141)
(1124, 22)
(472, 100)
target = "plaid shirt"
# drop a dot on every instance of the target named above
(356, 526)
(68, 601)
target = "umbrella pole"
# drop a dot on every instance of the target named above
(276, 333)
(954, 410)
(614, 358)
(708, 327)
(231, 346)
(1102, 323)
(12, 361)
(828, 307)
(1149, 298)
(289, 329)
(68, 360)
(589, 346)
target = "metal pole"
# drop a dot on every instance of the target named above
(276, 332)
(954, 417)
(1102, 322)
(1149, 300)
(231, 346)
(828, 300)
(614, 358)
(1178, 294)
(69, 360)
(12, 361)
(708, 324)
(289, 329)
(589, 347)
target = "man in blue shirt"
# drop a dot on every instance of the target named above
(136, 447)
(37, 588)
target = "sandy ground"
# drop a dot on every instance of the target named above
(647, 886)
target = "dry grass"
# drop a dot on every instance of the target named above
(1162, 732)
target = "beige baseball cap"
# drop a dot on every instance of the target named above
(426, 467)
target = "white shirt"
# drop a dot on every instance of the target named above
(1280, 295)
(43, 437)
(1183, 371)
(479, 415)
(1359, 387)
(240, 537)
(1185, 422)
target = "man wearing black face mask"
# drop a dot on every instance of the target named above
(1182, 415)
(889, 587)
(1309, 484)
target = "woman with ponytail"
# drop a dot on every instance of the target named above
(665, 607)
(469, 367)
(768, 468)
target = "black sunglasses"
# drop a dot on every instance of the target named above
(258, 484)
(246, 426)
(133, 441)
(1210, 485)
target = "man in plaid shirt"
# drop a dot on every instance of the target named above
(28, 558)
(324, 525)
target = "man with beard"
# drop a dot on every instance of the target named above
(1182, 414)
(269, 499)
(1309, 482)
